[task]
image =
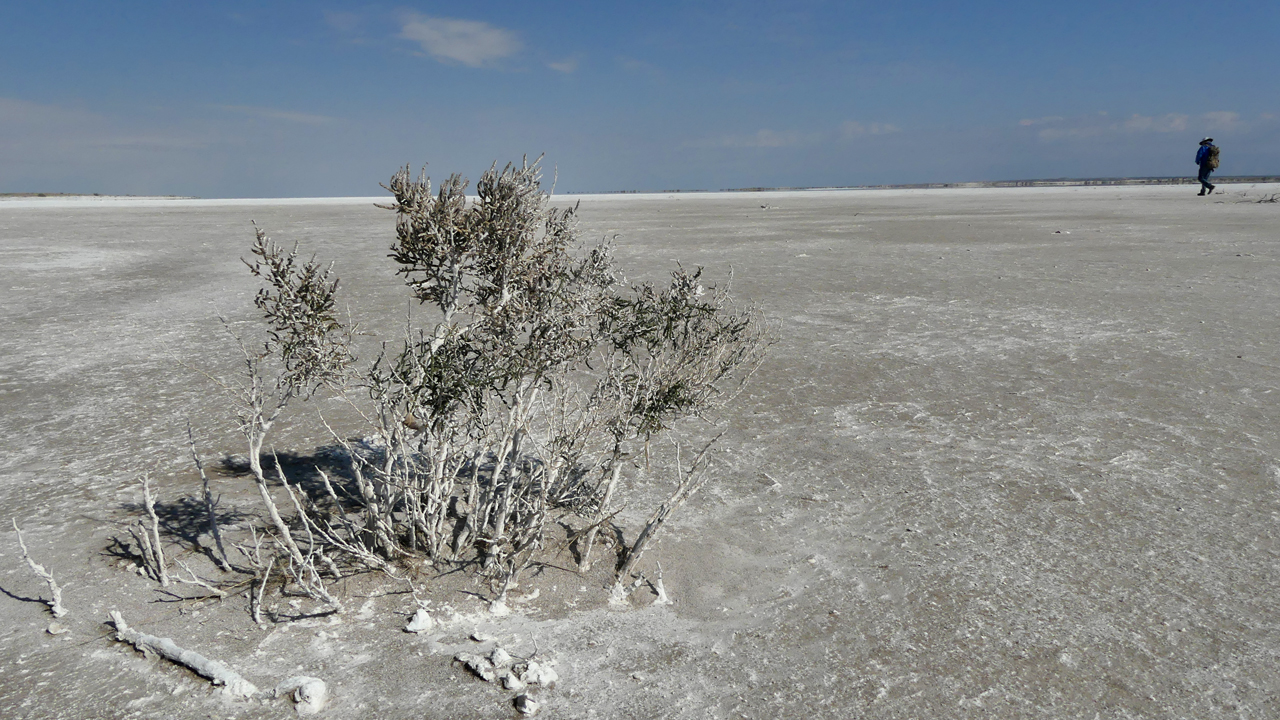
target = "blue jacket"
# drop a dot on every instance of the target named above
(1202, 155)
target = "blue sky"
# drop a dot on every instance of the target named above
(290, 99)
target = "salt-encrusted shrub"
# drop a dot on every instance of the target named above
(523, 398)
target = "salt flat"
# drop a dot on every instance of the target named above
(1015, 455)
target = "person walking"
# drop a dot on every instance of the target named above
(1207, 159)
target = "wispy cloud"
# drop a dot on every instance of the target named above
(769, 138)
(850, 129)
(564, 66)
(469, 42)
(640, 67)
(1029, 122)
(349, 27)
(764, 138)
(32, 129)
(274, 114)
(17, 112)
(1167, 123)
(1222, 120)
(1102, 125)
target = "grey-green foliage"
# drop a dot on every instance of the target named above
(675, 346)
(303, 330)
(514, 303)
(520, 395)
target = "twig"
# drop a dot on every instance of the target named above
(312, 584)
(575, 535)
(658, 588)
(689, 482)
(140, 533)
(55, 601)
(162, 574)
(221, 558)
(621, 592)
(195, 580)
(585, 564)
(214, 670)
(255, 600)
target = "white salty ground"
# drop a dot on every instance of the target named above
(1014, 455)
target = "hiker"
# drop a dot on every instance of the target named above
(1207, 159)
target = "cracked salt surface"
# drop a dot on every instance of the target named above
(1033, 478)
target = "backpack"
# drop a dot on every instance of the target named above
(1212, 160)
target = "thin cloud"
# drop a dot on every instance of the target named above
(764, 138)
(1101, 125)
(640, 67)
(153, 141)
(69, 149)
(769, 138)
(469, 42)
(1041, 121)
(850, 129)
(565, 66)
(30, 129)
(348, 27)
(17, 112)
(1223, 120)
(1170, 122)
(273, 114)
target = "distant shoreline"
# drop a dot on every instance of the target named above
(30, 195)
(1048, 182)
(37, 198)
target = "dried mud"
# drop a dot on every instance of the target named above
(1014, 455)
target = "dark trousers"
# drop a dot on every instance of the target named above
(1204, 177)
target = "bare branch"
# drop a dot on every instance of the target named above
(153, 533)
(215, 671)
(688, 482)
(196, 580)
(209, 504)
(55, 593)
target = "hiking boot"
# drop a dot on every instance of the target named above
(1211, 189)
(1201, 193)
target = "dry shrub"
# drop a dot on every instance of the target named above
(539, 375)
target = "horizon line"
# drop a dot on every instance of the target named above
(37, 197)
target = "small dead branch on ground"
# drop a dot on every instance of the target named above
(196, 580)
(255, 598)
(210, 506)
(688, 482)
(55, 593)
(659, 589)
(153, 551)
(216, 672)
(263, 568)
(1262, 199)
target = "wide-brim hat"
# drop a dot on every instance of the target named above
(1206, 140)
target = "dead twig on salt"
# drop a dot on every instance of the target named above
(688, 482)
(196, 580)
(659, 589)
(221, 557)
(55, 601)
(256, 599)
(217, 672)
(157, 552)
